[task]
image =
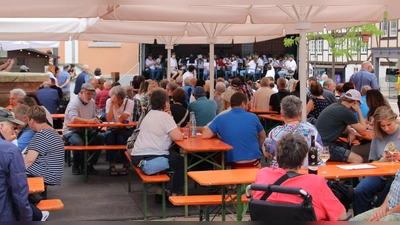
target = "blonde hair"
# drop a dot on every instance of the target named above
(52, 69)
(382, 113)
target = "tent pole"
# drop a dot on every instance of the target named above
(212, 66)
(169, 47)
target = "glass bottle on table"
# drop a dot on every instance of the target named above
(192, 125)
(313, 157)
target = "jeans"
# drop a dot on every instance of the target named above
(117, 139)
(257, 74)
(152, 73)
(157, 74)
(229, 73)
(282, 73)
(78, 139)
(206, 74)
(244, 72)
(175, 164)
(365, 193)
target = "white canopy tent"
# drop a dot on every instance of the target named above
(302, 17)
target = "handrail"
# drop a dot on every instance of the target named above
(128, 71)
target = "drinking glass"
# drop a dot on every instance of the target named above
(324, 155)
(98, 113)
(391, 148)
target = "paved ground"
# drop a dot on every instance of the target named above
(106, 198)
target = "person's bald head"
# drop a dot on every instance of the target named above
(107, 84)
(324, 77)
(367, 65)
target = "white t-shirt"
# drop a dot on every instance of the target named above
(173, 63)
(270, 73)
(159, 65)
(128, 109)
(260, 63)
(291, 64)
(251, 66)
(148, 62)
(153, 138)
(234, 65)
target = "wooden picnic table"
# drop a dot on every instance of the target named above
(262, 111)
(275, 117)
(99, 126)
(240, 177)
(196, 145)
(35, 184)
(58, 116)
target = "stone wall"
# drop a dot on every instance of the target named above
(29, 82)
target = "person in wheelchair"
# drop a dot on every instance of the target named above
(291, 151)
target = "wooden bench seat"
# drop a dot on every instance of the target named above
(50, 204)
(94, 147)
(148, 182)
(203, 202)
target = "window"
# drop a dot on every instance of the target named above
(364, 48)
(330, 50)
(319, 46)
(393, 28)
(385, 28)
(312, 46)
(355, 69)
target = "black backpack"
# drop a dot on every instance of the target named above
(344, 192)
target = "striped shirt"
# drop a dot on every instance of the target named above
(394, 193)
(50, 162)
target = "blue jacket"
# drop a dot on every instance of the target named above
(14, 205)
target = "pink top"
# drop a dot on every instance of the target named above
(326, 204)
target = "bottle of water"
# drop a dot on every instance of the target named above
(192, 125)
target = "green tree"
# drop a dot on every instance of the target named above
(346, 42)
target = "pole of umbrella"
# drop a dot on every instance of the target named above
(169, 47)
(302, 68)
(211, 41)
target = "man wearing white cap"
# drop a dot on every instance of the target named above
(337, 119)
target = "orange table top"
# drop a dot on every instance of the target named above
(276, 117)
(104, 124)
(224, 177)
(248, 176)
(262, 111)
(383, 169)
(57, 116)
(198, 144)
(36, 184)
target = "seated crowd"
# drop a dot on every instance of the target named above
(163, 107)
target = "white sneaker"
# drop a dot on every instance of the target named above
(45, 215)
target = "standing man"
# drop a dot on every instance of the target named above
(13, 181)
(82, 78)
(82, 110)
(247, 141)
(204, 109)
(365, 77)
(259, 65)
(63, 83)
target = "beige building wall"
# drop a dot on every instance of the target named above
(116, 57)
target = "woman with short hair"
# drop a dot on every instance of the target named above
(118, 109)
(291, 151)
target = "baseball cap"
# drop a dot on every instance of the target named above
(6, 115)
(97, 71)
(226, 96)
(199, 91)
(23, 67)
(173, 53)
(353, 94)
(87, 86)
